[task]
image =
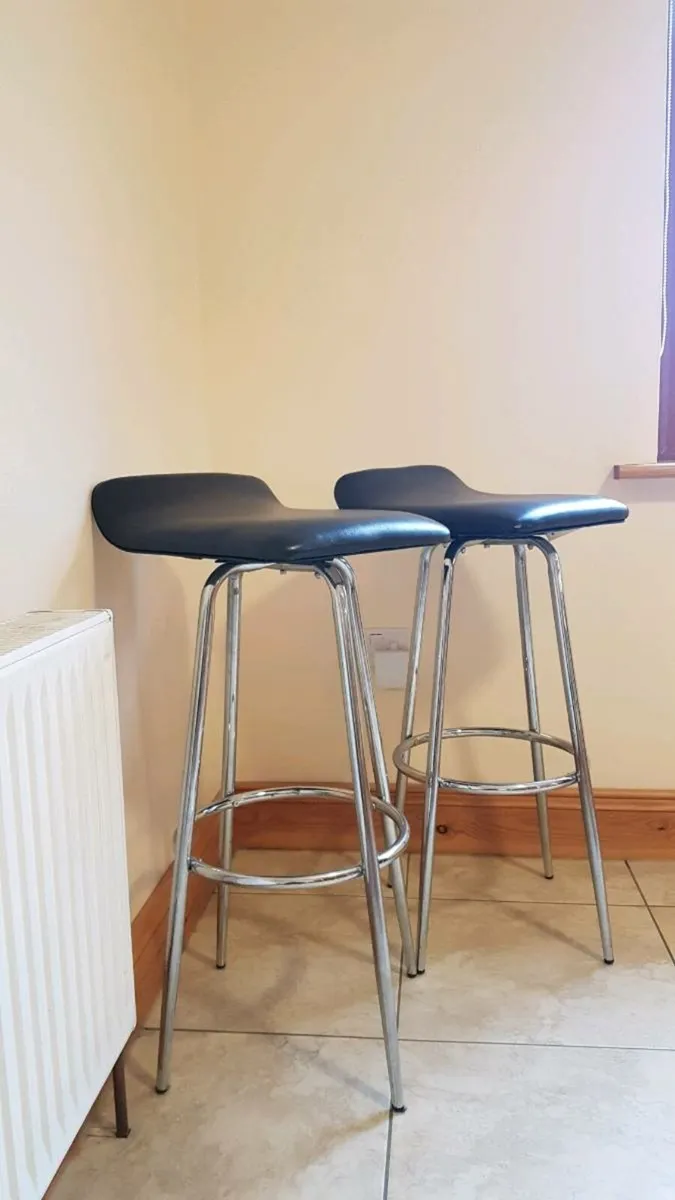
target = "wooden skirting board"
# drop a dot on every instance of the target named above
(148, 930)
(633, 824)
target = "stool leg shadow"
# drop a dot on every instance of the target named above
(119, 1080)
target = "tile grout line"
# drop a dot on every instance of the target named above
(329, 894)
(631, 872)
(542, 903)
(387, 1153)
(649, 910)
(413, 1041)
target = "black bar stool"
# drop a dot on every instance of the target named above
(484, 518)
(238, 521)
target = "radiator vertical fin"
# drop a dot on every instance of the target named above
(66, 977)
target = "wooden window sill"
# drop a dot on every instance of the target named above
(647, 470)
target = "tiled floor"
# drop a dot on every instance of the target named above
(532, 1069)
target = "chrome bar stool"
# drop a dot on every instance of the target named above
(484, 518)
(238, 521)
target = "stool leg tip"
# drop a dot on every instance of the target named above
(161, 1091)
(609, 961)
(412, 974)
(398, 1108)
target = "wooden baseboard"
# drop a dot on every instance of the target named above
(148, 930)
(633, 824)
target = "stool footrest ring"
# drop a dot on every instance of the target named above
(289, 882)
(469, 787)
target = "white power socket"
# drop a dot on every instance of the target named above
(389, 656)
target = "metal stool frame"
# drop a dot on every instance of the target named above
(359, 703)
(540, 785)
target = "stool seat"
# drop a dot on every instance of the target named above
(438, 493)
(237, 518)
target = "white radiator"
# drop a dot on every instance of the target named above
(66, 978)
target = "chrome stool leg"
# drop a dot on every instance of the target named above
(229, 772)
(408, 720)
(349, 637)
(578, 742)
(345, 622)
(525, 619)
(540, 785)
(434, 757)
(193, 751)
(380, 772)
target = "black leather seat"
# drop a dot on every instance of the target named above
(237, 518)
(438, 493)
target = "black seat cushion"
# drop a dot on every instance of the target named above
(438, 493)
(238, 518)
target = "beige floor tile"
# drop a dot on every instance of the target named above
(473, 877)
(533, 973)
(522, 1123)
(247, 1118)
(300, 964)
(301, 862)
(657, 880)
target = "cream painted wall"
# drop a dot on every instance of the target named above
(431, 232)
(100, 357)
(428, 232)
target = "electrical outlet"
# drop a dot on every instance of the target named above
(389, 656)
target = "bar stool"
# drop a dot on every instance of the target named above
(484, 518)
(238, 521)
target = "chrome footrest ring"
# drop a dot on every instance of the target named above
(290, 882)
(469, 787)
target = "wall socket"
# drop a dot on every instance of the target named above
(389, 657)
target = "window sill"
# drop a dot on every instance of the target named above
(647, 470)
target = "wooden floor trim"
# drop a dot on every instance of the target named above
(148, 930)
(633, 823)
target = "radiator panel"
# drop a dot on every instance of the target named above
(66, 976)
